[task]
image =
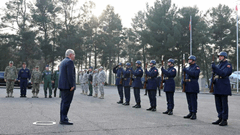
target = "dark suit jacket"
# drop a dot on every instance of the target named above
(67, 76)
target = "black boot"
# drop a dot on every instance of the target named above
(170, 112)
(217, 122)
(138, 105)
(45, 96)
(120, 102)
(188, 116)
(223, 123)
(166, 112)
(194, 116)
(134, 106)
(149, 109)
(154, 109)
(126, 103)
(50, 96)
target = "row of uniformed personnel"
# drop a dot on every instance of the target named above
(24, 75)
(221, 83)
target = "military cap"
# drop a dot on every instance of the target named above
(36, 66)
(101, 67)
(10, 62)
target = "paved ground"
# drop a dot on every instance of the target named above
(93, 116)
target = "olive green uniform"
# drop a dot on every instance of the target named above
(10, 75)
(36, 79)
(47, 78)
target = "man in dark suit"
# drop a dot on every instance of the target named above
(67, 85)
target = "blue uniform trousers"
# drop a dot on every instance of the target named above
(170, 100)
(137, 95)
(152, 97)
(127, 94)
(66, 96)
(192, 102)
(222, 106)
(120, 91)
(23, 87)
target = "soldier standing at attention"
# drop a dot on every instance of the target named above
(95, 83)
(192, 87)
(85, 82)
(47, 80)
(23, 76)
(55, 79)
(222, 88)
(137, 83)
(10, 76)
(101, 80)
(81, 81)
(152, 85)
(126, 81)
(90, 78)
(169, 85)
(36, 80)
(119, 71)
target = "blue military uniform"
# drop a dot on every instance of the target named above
(24, 75)
(126, 81)
(192, 86)
(119, 73)
(137, 84)
(222, 88)
(152, 85)
(169, 86)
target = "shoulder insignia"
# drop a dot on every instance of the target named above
(129, 70)
(173, 70)
(155, 70)
(139, 69)
(228, 66)
(197, 68)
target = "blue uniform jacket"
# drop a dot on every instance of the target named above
(152, 78)
(169, 83)
(24, 74)
(119, 72)
(192, 72)
(137, 75)
(126, 76)
(67, 76)
(222, 84)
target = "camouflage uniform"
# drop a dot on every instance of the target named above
(47, 78)
(85, 83)
(101, 81)
(95, 83)
(36, 80)
(81, 82)
(10, 75)
(55, 79)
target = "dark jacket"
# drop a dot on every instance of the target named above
(222, 84)
(126, 77)
(24, 74)
(119, 72)
(152, 78)
(192, 73)
(137, 75)
(67, 76)
(169, 83)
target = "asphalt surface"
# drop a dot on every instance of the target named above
(93, 116)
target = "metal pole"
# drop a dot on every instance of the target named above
(237, 51)
(190, 35)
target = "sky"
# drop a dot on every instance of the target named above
(127, 9)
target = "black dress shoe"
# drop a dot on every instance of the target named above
(50, 96)
(194, 116)
(170, 112)
(90, 95)
(154, 109)
(166, 112)
(21, 96)
(65, 123)
(217, 122)
(120, 102)
(134, 106)
(138, 106)
(223, 123)
(126, 103)
(45, 96)
(188, 116)
(149, 109)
